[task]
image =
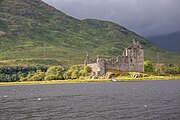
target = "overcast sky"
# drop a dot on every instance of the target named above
(145, 17)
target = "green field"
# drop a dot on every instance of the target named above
(34, 33)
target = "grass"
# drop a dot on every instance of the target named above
(52, 82)
(119, 79)
(40, 34)
(128, 78)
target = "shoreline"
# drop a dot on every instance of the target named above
(120, 79)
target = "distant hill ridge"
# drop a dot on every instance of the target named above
(32, 32)
(169, 42)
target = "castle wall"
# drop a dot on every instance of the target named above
(94, 67)
(98, 68)
(120, 64)
(132, 60)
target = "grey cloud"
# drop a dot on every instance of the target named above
(145, 17)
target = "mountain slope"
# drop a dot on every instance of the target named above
(169, 42)
(32, 32)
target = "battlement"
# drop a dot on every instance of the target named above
(132, 60)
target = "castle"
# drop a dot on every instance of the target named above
(132, 60)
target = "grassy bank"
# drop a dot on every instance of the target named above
(52, 82)
(129, 78)
(119, 79)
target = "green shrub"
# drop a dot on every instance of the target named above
(51, 77)
(148, 66)
(38, 76)
(55, 73)
(87, 70)
(67, 75)
(16, 73)
(164, 69)
(75, 74)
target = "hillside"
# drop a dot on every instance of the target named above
(170, 42)
(32, 32)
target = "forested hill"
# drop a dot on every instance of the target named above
(32, 32)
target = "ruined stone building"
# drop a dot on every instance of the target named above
(132, 60)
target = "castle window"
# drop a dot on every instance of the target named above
(131, 60)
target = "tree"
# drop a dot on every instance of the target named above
(55, 73)
(75, 74)
(38, 76)
(87, 70)
(67, 75)
(159, 69)
(148, 66)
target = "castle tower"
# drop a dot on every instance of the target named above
(135, 53)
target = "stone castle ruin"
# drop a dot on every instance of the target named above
(132, 60)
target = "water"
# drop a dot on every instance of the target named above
(152, 100)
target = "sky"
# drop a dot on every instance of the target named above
(145, 17)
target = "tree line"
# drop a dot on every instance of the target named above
(41, 73)
(161, 69)
(19, 73)
(14, 73)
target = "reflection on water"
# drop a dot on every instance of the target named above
(153, 100)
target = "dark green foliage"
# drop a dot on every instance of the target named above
(9, 77)
(148, 66)
(15, 73)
